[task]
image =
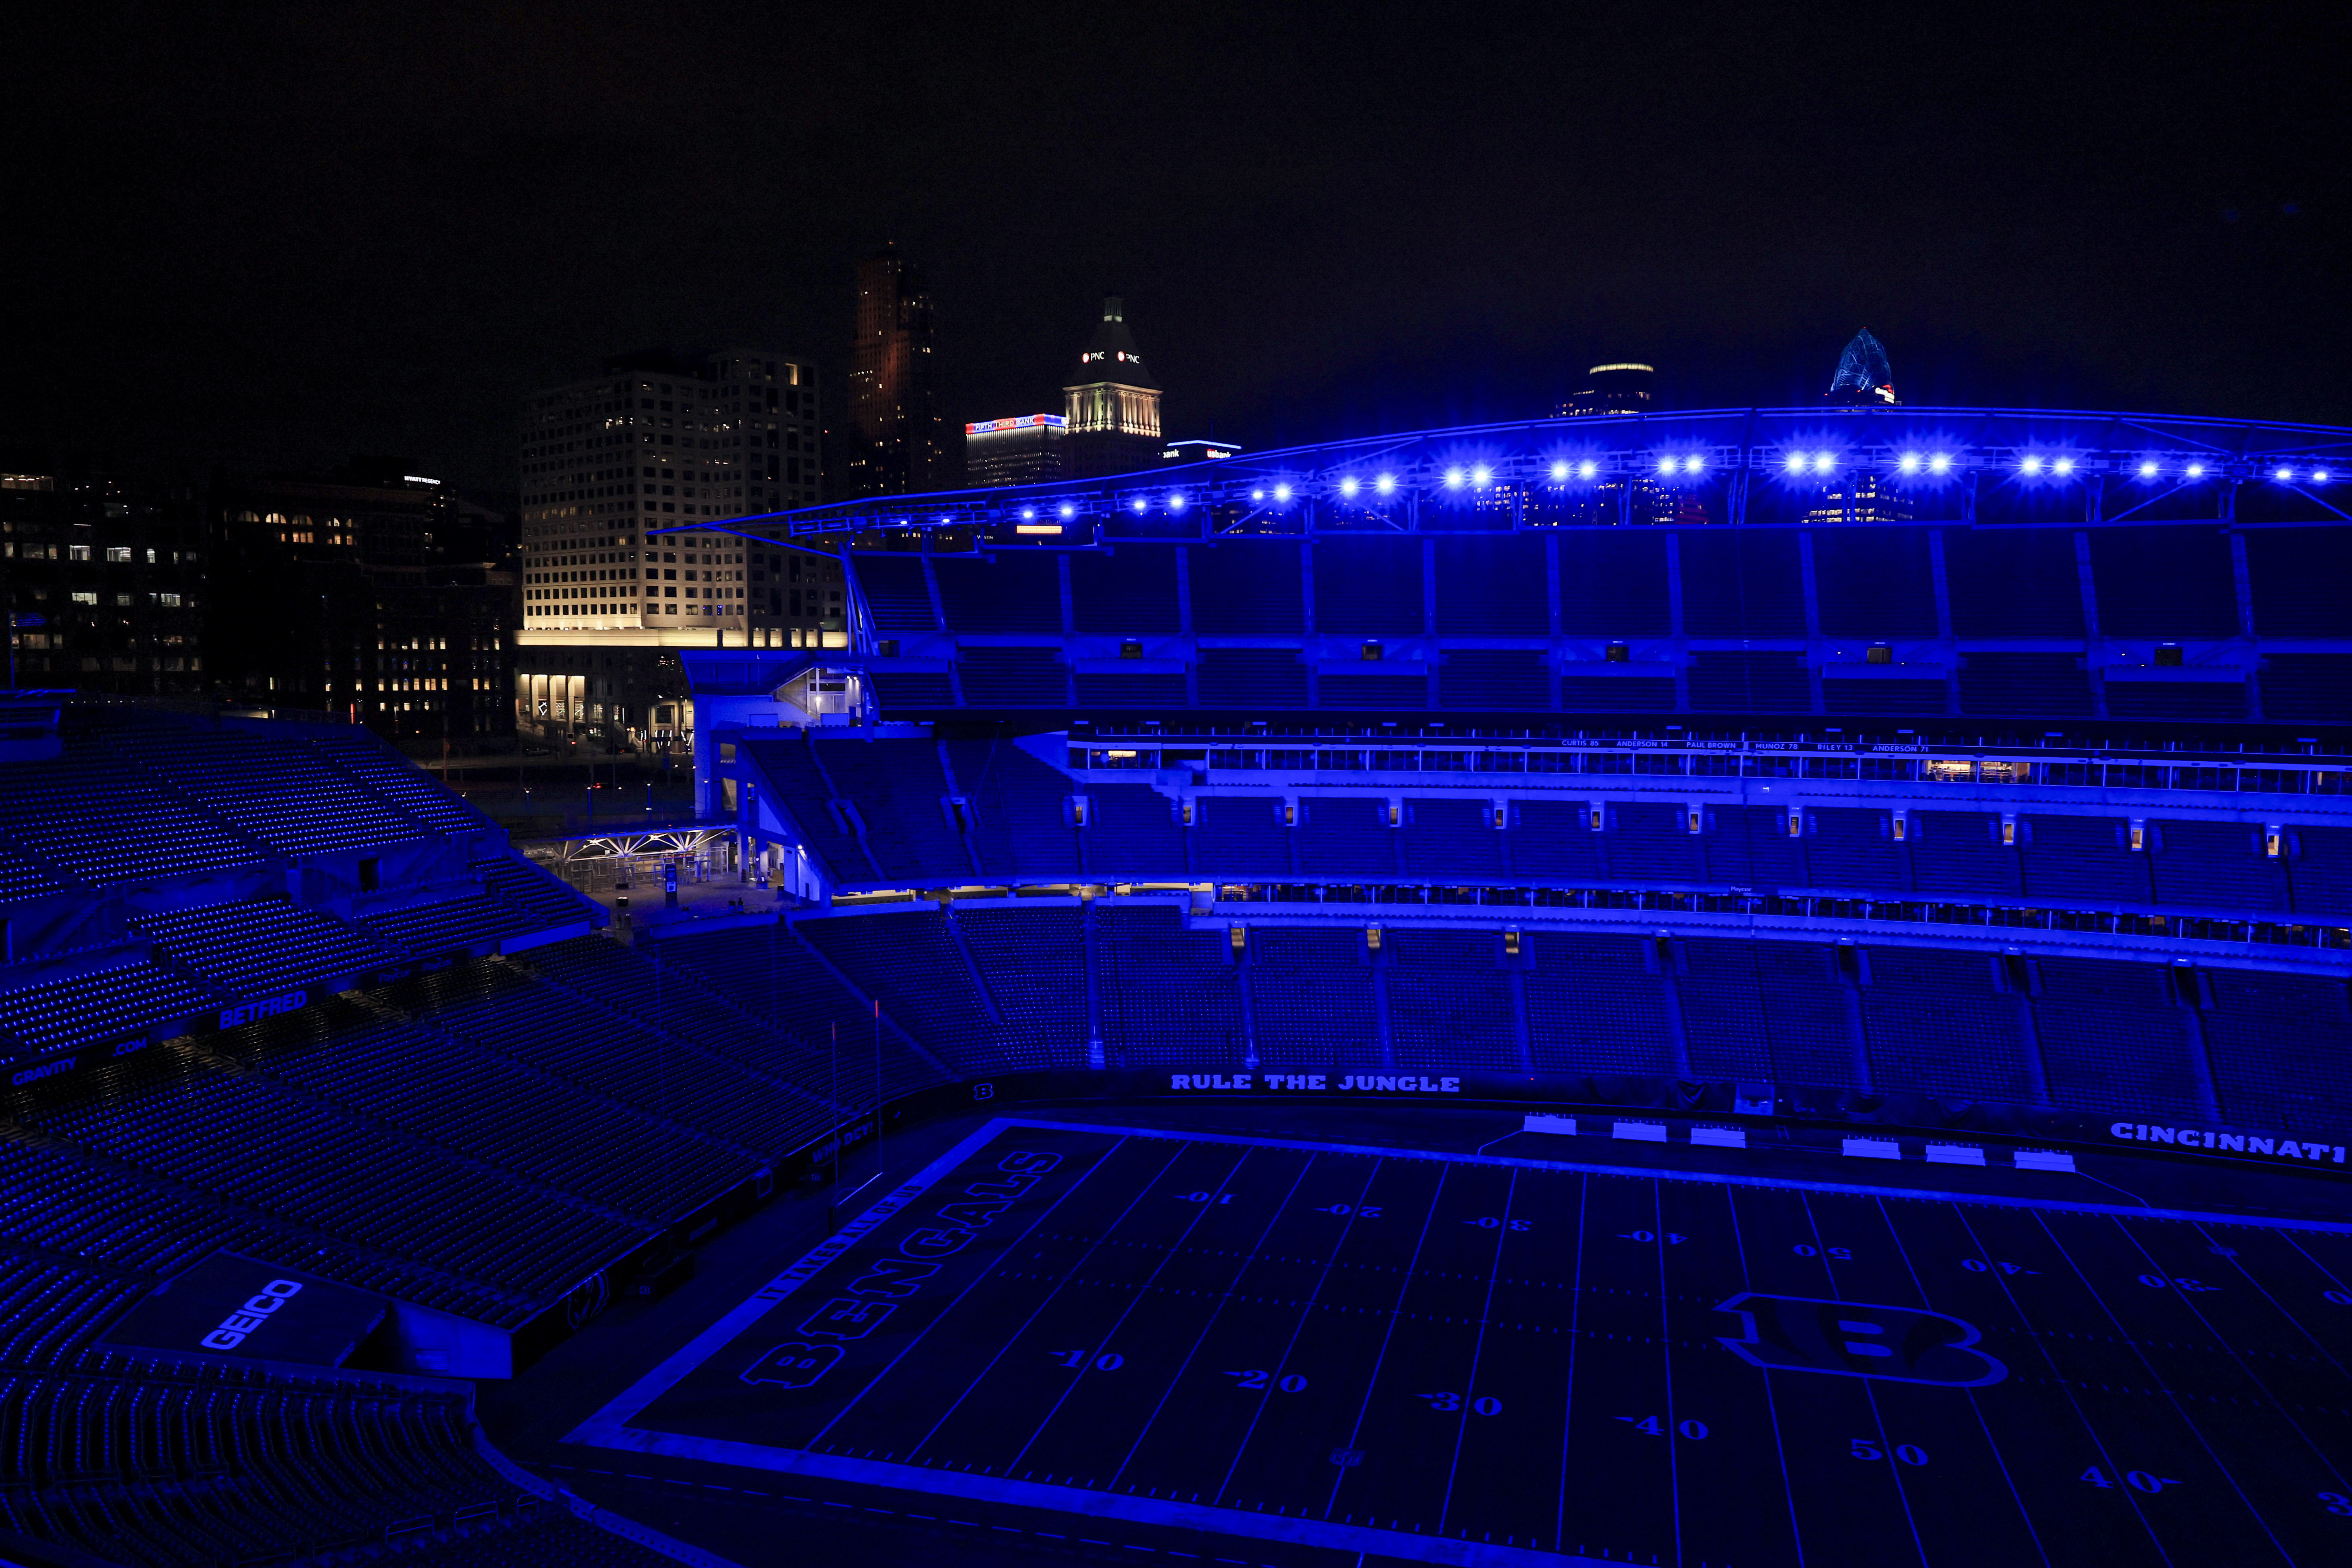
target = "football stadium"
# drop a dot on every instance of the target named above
(1726, 989)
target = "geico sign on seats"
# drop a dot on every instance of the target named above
(251, 1316)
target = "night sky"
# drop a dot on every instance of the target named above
(274, 237)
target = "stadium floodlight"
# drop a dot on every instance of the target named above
(1349, 486)
(1482, 476)
(1385, 484)
(1069, 510)
(1282, 493)
(1666, 464)
(1694, 463)
(1257, 495)
(1138, 503)
(2062, 467)
(1453, 479)
(2319, 476)
(945, 520)
(1796, 462)
(2030, 464)
(2147, 470)
(2195, 471)
(1560, 469)
(1825, 462)
(1028, 514)
(1587, 469)
(2284, 476)
(1175, 501)
(1908, 463)
(1941, 463)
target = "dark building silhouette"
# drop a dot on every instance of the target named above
(383, 598)
(1863, 373)
(1623, 388)
(101, 579)
(897, 440)
(1113, 406)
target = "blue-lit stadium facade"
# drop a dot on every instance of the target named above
(2041, 712)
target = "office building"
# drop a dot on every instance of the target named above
(662, 439)
(381, 597)
(101, 580)
(897, 440)
(1113, 407)
(1620, 388)
(1026, 449)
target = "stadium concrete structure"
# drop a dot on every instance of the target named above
(1419, 1012)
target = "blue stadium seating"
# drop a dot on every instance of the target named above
(266, 946)
(1169, 992)
(1593, 1007)
(1936, 1026)
(1451, 1004)
(1311, 999)
(1133, 832)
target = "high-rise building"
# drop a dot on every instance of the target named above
(102, 580)
(382, 597)
(1623, 388)
(1026, 449)
(662, 439)
(1113, 406)
(897, 441)
(1863, 373)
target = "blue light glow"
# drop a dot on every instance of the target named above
(2062, 467)
(1825, 462)
(1282, 493)
(1028, 512)
(1257, 495)
(1453, 479)
(2284, 476)
(2030, 464)
(1796, 462)
(1908, 463)
(2195, 471)
(1138, 503)
(1587, 469)
(2147, 470)
(1069, 510)
(1941, 463)
(2319, 476)
(1481, 476)
(1175, 501)
(1349, 486)
(1560, 469)
(1694, 463)
(1385, 484)
(1665, 465)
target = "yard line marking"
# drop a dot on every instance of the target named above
(1298, 1328)
(1478, 1348)
(1202, 1338)
(1436, 1196)
(1137, 1298)
(1771, 1411)
(2034, 1335)
(2163, 1387)
(1869, 1393)
(1977, 1408)
(1003, 1349)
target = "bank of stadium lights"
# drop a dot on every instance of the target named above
(1454, 479)
(1176, 501)
(1350, 486)
(1481, 476)
(1934, 463)
(1138, 505)
(1385, 484)
(1068, 511)
(1282, 493)
(1810, 462)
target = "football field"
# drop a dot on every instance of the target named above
(1464, 1359)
